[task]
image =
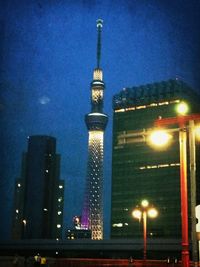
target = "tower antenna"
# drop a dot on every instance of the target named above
(99, 27)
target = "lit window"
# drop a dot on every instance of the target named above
(117, 225)
(19, 185)
(59, 199)
(46, 171)
(60, 186)
(59, 212)
(17, 211)
(163, 165)
(140, 107)
(45, 209)
(58, 225)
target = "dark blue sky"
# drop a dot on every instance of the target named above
(47, 56)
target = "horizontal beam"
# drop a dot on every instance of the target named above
(176, 120)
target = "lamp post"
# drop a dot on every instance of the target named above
(143, 211)
(182, 121)
(192, 154)
(24, 222)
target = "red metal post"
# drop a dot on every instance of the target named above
(184, 196)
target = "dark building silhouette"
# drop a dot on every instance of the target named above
(140, 172)
(39, 193)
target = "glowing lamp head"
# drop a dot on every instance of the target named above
(159, 138)
(182, 108)
(145, 203)
(137, 214)
(152, 213)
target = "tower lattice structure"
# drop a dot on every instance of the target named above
(96, 121)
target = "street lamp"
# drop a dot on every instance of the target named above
(182, 108)
(24, 222)
(160, 138)
(183, 121)
(143, 211)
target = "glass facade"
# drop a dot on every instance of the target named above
(138, 170)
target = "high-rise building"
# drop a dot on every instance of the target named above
(96, 121)
(39, 193)
(141, 172)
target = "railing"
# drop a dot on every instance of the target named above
(88, 262)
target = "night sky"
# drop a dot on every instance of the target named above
(47, 57)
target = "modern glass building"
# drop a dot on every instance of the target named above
(141, 172)
(39, 193)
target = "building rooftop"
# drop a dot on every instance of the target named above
(152, 93)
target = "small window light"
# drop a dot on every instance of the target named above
(59, 199)
(45, 209)
(19, 185)
(117, 225)
(59, 212)
(58, 225)
(46, 171)
(17, 211)
(60, 186)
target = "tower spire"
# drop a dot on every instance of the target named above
(99, 27)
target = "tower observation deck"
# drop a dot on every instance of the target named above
(96, 121)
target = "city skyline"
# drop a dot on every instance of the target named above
(47, 57)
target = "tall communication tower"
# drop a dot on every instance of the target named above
(96, 121)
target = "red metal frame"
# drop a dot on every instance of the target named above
(182, 121)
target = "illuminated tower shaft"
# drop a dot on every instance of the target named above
(96, 121)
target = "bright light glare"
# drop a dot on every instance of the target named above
(159, 138)
(197, 132)
(137, 214)
(182, 108)
(152, 213)
(145, 203)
